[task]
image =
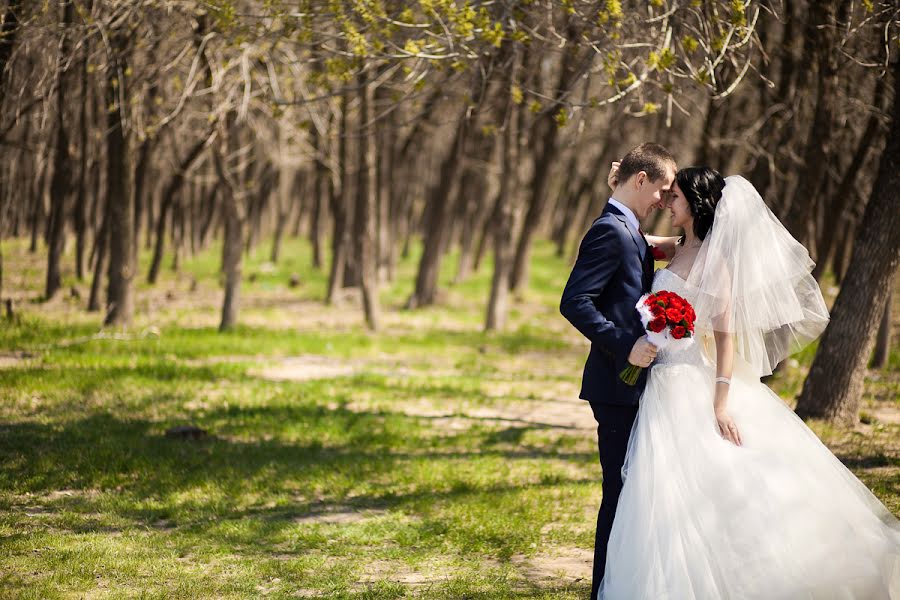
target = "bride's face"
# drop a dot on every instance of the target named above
(679, 209)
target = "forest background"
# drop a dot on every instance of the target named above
(280, 279)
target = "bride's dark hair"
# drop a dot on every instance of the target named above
(702, 188)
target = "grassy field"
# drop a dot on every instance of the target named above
(428, 460)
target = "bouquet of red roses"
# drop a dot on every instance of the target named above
(669, 321)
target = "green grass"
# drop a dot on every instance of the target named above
(409, 475)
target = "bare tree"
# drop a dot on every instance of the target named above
(834, 386)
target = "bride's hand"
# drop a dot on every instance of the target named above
(728, 428)
(613, 178)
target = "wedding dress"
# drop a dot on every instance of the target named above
(777, 518)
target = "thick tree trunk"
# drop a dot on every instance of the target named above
(365, 219)
(119, 300)
(835, 383)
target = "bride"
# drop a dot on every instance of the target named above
(727, 494)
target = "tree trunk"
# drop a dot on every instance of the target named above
(440, 208)
(339, 201)
(169, 193)
(38, 193)
(474, 205)
(840, 200)
(232, 258)
(59, 186)
(365, 219)
(235, 223)
(386, 186)
(119, 300)
(284, 201)
(80, 216)
(592, 185)
(504, 214)
(321, 175)
(101, 241)
(824, 17)
(547, 133)
(141, 166)
(883, 339)
(835, 383)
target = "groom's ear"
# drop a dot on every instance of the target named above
(640, 179)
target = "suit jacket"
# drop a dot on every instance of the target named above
(613, 270)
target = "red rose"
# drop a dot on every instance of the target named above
(657, 311)
(657, 253)
(657, 324)
(678, 332)
(674, 315)
(691, 315)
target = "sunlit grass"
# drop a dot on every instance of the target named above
(367, 484)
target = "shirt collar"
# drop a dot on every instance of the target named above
(629, 214)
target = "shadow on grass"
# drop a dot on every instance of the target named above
(134, 460)
(90, 377)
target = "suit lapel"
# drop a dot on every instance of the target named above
(639, 241)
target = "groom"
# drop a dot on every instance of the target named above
(613, 270)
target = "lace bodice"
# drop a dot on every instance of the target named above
(694, 354)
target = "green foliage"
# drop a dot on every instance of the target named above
(561, 117)
(689, 43)
(661, 61)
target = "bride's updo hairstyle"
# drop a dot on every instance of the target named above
(702, 188)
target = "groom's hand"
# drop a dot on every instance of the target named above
(642, 353)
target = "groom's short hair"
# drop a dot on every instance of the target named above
(652, 159)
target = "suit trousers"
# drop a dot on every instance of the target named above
(613, 429)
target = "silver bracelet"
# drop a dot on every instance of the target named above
(724, 380)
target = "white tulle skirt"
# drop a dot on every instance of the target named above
(777, 518)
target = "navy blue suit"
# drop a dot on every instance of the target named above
(613, 270)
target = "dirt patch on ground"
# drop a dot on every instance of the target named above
(559, 565)
(11, 360)
(527, 403)
(338, 515)
(303, 368)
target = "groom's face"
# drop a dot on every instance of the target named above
(653, 194)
